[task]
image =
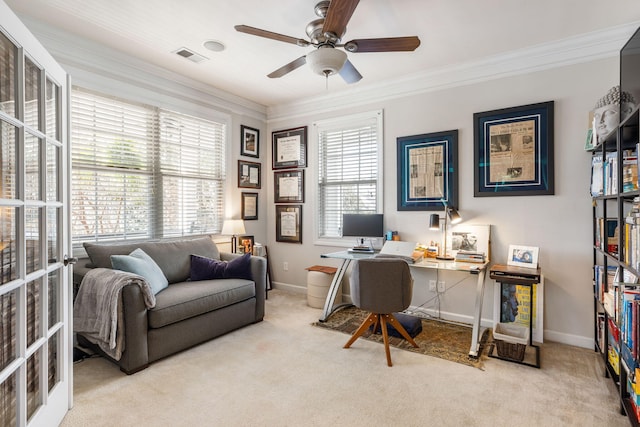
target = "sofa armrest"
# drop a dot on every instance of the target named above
(259, 275)
(136, 354)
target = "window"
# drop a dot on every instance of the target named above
(141, 172)
(349, 170)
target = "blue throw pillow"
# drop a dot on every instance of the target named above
(138, 262)
(203, 268)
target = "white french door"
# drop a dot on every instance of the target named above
(35, 301)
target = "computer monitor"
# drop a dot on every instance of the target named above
(362, 226)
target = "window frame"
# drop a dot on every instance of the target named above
(345, 123)
(156, 231)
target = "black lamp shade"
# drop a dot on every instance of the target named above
(434, 222)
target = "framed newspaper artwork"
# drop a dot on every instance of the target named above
(428, 171)
(513, 153)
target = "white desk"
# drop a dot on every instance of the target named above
(471, 268)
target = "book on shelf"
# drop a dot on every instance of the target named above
(629, 320)
(470, 256)
(630, 171)
(610, 174)
(607, 235)
(597, 188)
(599, 276)
(601, 332)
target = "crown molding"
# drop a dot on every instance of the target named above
(573, 50)
(84, 56)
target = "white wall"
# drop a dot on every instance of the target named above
(560, 225)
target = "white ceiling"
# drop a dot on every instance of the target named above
(451, 32)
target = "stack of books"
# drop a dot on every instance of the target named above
(470, 256)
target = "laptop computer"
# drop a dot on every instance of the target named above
(395, 248)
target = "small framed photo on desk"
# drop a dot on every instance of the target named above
(523, 256)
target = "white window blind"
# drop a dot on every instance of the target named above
(349, 170)
(141, 172)
(193, 175)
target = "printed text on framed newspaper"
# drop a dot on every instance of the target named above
(428, 171)
(513, 153)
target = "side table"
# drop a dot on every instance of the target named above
(507, 274)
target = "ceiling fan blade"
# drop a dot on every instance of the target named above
(285, 69)
(338, 16)
(389, 44)
(271, 35)
(349, 73)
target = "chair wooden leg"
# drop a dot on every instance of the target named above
(385, 337)
(371, 319)
(398, 326)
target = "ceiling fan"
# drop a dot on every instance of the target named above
(325, 34)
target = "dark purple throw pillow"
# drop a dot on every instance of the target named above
(203, 268)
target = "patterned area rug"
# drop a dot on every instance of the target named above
(447, 341)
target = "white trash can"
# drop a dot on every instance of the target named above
(319, 280)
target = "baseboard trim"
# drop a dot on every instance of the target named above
(555, 336)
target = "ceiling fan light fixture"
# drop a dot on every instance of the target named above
(326, 61)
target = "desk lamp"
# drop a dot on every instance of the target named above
(434, 224)
(233, 227)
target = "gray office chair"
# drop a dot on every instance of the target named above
(382, 286)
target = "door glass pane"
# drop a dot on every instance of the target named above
(8, 144)
(32, 239)
(53, 163)
(8, 401)
(31, 94)
(54, 297)
(33, 311)
(8, 245)
(53, 372)
(52, 235)
(7, 76)
(34, 398)
(32, 167)
(8, 328)
(51, 112)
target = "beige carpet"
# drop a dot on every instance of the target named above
(285, 372)
(449, 341)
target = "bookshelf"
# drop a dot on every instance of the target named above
(616, 253)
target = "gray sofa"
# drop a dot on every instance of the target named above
(186, 313)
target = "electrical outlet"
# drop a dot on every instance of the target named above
(432, 285)
(441, 286)
(285, 266)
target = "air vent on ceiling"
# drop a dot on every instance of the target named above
(190, 55)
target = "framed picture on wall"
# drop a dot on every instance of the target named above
(514, 151)
(250, 145)
(248, 174)
(428, 171)
(289, 223)
(289, 186)
(290, 148)
(249, 206)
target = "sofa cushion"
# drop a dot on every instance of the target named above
(184, 300)
(173, 257)
(138, 262)
(203, 268)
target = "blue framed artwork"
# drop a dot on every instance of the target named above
(514, 151)
(428, 171)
